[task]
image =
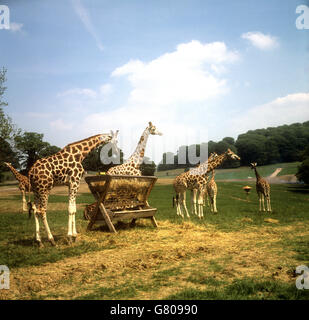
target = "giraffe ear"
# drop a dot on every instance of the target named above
(150, 124)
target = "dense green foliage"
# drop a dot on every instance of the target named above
(303, 169)
(93, 160)
(264, 146)
(31, 147)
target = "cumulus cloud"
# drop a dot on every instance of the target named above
(261, 40)
(106, 89)
(283, 110)
(188, 74)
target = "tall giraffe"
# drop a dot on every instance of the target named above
(132, 165)
(212, 192)
(262, 189)
(194, 180)
(63, 168)
(23, 184)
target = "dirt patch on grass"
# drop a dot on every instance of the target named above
(132, 258)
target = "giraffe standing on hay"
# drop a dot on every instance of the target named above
(262, 189)
(132, 165)
(212, 192)
(23, 184)
(195, 180)
(63, 168)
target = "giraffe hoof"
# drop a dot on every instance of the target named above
(74, 238)
(40, 244)
(53, 243)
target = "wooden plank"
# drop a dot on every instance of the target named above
(107, 218)
(154, 222)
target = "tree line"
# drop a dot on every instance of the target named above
(284, 143)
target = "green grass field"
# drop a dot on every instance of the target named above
(235, 254)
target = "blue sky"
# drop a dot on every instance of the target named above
(199, 70)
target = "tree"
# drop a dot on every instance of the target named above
(303, 169)
(148, 168)
(93, 161)
(31, 147)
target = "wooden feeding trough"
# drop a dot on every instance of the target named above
(120, 197)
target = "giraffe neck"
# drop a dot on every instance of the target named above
(216, 162)
(208, 166)
(82, 148)
(258, 177)
(213, 175)
(17, 175)
(137, 157)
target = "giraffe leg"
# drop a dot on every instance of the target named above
(42, 210)
(263, 197)
(37, 230)
(200, 205)
(260, 202)
(178, 209)
(72, 234)
(268, 203)
(184, 205)
(193, 201)
(215, 203)
(49, 234)
(36, 219)
(25, 207)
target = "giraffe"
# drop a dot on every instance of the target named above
(23, 184)
(195, 181)
(132, 165)
(63, 168)
(212, 192)
(262, 189)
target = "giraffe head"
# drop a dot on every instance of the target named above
(230, 154)
(7, 163)
(153, 130)
(111, 138)
(253, 165)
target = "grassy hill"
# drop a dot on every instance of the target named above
(241, 172)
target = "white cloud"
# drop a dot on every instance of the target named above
(82, 92)
(60, 125)
(15, 27)
(261, 40)
(188, 74)
(85, 19)
(284, 110)
(106, 89)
